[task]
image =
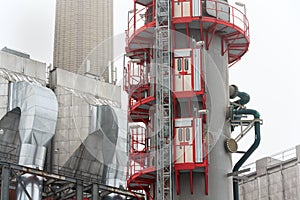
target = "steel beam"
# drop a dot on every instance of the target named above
(95, 191)
(79, 190)
(5, 182)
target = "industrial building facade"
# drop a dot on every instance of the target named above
(275, 177)
(78, 151)
(81, 27)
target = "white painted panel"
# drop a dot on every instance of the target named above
(189, 154)
(179, 154)
(187, 82)
(197, 70)
(186, 9)
(178, 83)
(177, 9)
(198, 140)
(196, 8)
(182, 52)
(183, 122)
(189, 149)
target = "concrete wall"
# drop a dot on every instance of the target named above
(273, 179)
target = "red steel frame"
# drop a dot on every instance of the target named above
(232, 32)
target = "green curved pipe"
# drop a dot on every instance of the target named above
(253, 147)
(244, 98)
(234, 92)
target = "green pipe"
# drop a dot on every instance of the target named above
(244, 98)
(234, 92)
(253, 147)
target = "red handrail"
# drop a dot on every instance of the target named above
(236, 18)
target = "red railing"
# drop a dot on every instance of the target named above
(226, 12)
(214, 9)
(134, 75)
(139, 19)
(137, 81)
(140, 155)
(146, 162)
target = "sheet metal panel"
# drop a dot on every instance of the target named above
(197, 70)
(183, 122)
(182, 53)
(189, 154)
(198, 140)
(177, 9)
(196, 8)
(179, 149)
(187, 82)
(178, 83)
(186, 9)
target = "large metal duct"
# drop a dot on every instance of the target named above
(39, 110)
(10, 143)
(96, 153)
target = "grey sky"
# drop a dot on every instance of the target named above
(269, 72)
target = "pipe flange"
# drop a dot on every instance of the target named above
(231, 145)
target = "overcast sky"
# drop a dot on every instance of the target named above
(269, 72)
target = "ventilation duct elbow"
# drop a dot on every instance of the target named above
(39, 109)
(234, 92)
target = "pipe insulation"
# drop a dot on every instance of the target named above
(39, 110)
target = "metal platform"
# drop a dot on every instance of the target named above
(234, 31)
(144, 2)
(58, 186)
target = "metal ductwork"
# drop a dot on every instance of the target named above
(39, 109)
(96, 153)
(234, 92)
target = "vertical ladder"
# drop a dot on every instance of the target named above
(163, 101)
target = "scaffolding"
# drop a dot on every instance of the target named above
(163, 97)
